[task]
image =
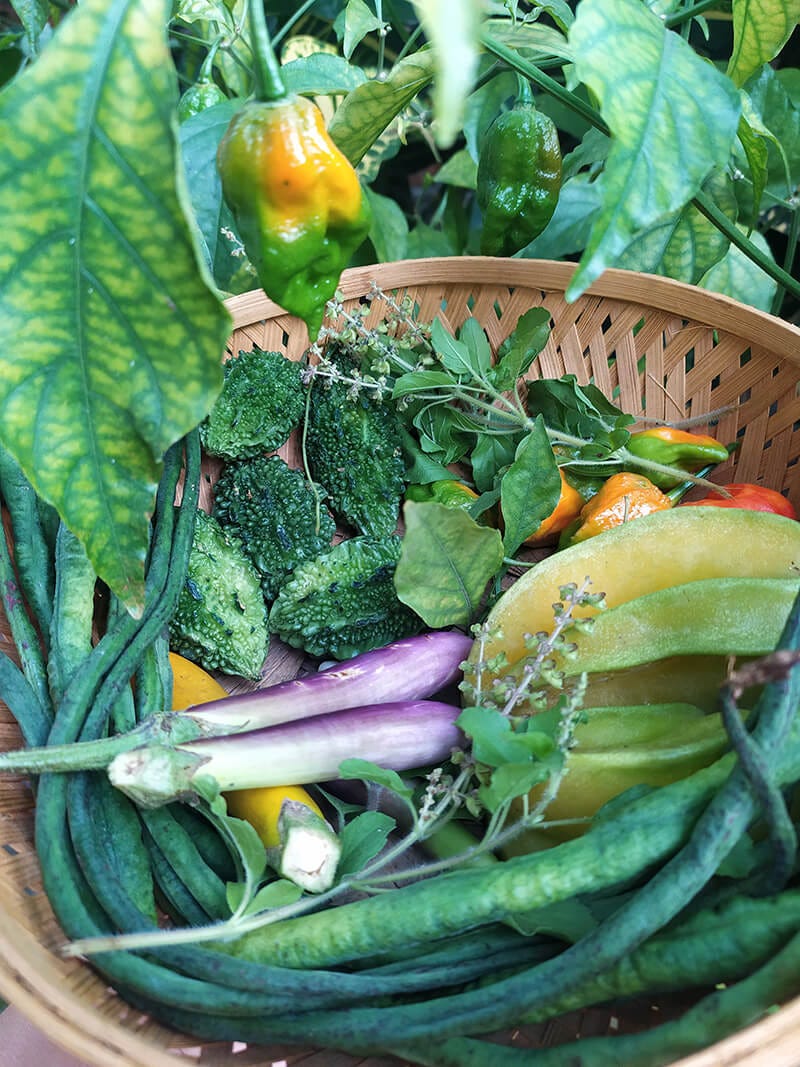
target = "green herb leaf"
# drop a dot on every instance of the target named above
(520, 348)
(124, 359)
(760, 30)
(530, 488)
(491, 454)
(445, 563)
(456, 355)
(421, 381)
(275, 894)
(580, 410)
(362, 839)
(664, 143)
(370, 772)
(321, 74)
(495, 742)
(512, 780)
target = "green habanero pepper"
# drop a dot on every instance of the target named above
(199, 97)
(677, 448)
(519, 177)
(297, 202)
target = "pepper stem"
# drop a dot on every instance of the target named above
(266, 68)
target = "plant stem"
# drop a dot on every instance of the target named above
(292, 20)
(267, 71)
(691, 12)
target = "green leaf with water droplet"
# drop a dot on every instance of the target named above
(110, 333)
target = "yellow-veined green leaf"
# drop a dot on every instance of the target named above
(110, 333)
(760, 29)
(673, 119)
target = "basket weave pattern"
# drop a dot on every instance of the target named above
(659, 349)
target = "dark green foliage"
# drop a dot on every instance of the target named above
(344, 602)
(353, 445)
(261, 402)
(278, 516)
(221, 617)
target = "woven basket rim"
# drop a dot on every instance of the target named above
(636, 287)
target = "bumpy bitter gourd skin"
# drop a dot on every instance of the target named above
(354, 449)
(221, 619)
(297, 201)
(344, 602)
(261, 402)
(280, 519)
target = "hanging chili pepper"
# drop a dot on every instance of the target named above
(676, 448)
(749, 496)
(623, 497)
(297, 200)
(519, 176)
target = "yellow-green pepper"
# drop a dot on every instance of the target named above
(297, 201)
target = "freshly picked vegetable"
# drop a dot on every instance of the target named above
(749, 496)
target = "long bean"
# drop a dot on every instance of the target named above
(23, 632)
(33, 719)
(33, 557)
(711, 1019)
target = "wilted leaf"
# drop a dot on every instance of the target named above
(673, 119)
(111, 336)
(760, 30)
(365, 113)
(446, 561)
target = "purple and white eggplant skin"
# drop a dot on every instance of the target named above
(398, 736)
(411, 669)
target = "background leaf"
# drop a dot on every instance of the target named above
(125, 354)
(365, 113)
(452, 27)
(446, 561)
(673, 118)
(737, 276)
(760, 29)
(111, 337)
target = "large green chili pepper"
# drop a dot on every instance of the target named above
(519, 177)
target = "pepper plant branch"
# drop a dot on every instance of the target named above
(266, 68)
(701, 200)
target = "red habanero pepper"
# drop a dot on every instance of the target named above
(749, 496)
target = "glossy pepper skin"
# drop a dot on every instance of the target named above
(297, 202)
(677, 448)
(199, 97)
(623, 497)
(519, 177)
(450, 492)
(566, 511)
(749, 496)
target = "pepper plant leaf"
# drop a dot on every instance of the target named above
(365, 113)
(760, 30)
(110, 333)
(685, 244)
(673, 119)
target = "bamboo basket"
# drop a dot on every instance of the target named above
(657, 348)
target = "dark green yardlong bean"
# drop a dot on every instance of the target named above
(33, 557)
(33, 719)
